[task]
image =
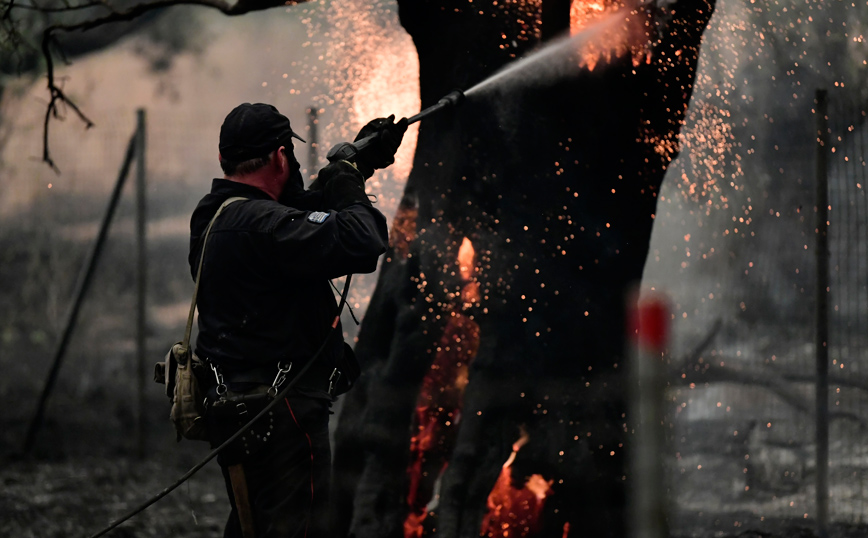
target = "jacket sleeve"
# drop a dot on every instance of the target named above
(330, 243)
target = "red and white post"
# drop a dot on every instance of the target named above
(648, 336)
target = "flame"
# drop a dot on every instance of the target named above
(516, 512)
(466, 268)
(512, 512)
(438, 412)
(438, 407)
(466, 255)
(614, 36)
(582, 13)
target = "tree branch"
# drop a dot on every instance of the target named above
(64, 9)
(58, 97)
(779, 381)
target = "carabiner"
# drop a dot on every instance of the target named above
(279, 378)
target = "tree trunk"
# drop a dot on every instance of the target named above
(554, 186)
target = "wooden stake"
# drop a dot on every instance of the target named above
(242, 500)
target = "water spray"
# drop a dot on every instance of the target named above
(557, 60)
(347, 151)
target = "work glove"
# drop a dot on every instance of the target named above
(341, 185)
(380, 153)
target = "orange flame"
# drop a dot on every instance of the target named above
(516, 512)
(467, 268)
(438, 412)
(512, 512)
(438, 407)
(613, 38)
(466, 255)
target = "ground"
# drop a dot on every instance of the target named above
(80, 496)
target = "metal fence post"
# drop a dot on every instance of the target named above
(648, 334)
(821, 341)
(313, 146)
(78, 297)
(141, 277)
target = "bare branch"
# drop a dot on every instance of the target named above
(8, 12)
(778, 382)
(57, 97)
(67, 8)
(700, 348)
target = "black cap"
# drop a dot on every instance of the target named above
(254, 130)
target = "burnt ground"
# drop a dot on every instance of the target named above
(79, 496)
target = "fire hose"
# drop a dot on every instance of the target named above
(343, 151)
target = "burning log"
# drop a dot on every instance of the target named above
(554, 184)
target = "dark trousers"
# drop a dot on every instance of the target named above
(286, 460)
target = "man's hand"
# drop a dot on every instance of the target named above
(380, 152)
(340, 185)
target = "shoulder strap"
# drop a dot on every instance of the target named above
(186, 342)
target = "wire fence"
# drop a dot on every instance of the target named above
(848, 347)
(743, 419)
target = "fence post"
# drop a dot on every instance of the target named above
(141, 277)
(313, 146)
(821, 340)
(78, 297)
(648, 334)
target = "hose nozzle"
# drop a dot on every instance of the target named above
(348, 151)
(451, 99)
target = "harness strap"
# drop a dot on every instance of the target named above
(186, 342)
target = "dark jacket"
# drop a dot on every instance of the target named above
(264, 294)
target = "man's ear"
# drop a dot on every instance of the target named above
(282, 161)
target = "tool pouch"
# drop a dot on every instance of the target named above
(232, 411)
(185, 378)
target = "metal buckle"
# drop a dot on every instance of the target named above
(279, 378)
(221, 386)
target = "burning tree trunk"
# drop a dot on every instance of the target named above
(493, 347)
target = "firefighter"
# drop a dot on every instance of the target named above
(266, 307)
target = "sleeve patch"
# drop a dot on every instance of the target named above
(318, 217)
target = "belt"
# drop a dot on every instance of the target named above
(261, 375)
(241, 380)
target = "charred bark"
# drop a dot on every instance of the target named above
(555, 185)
